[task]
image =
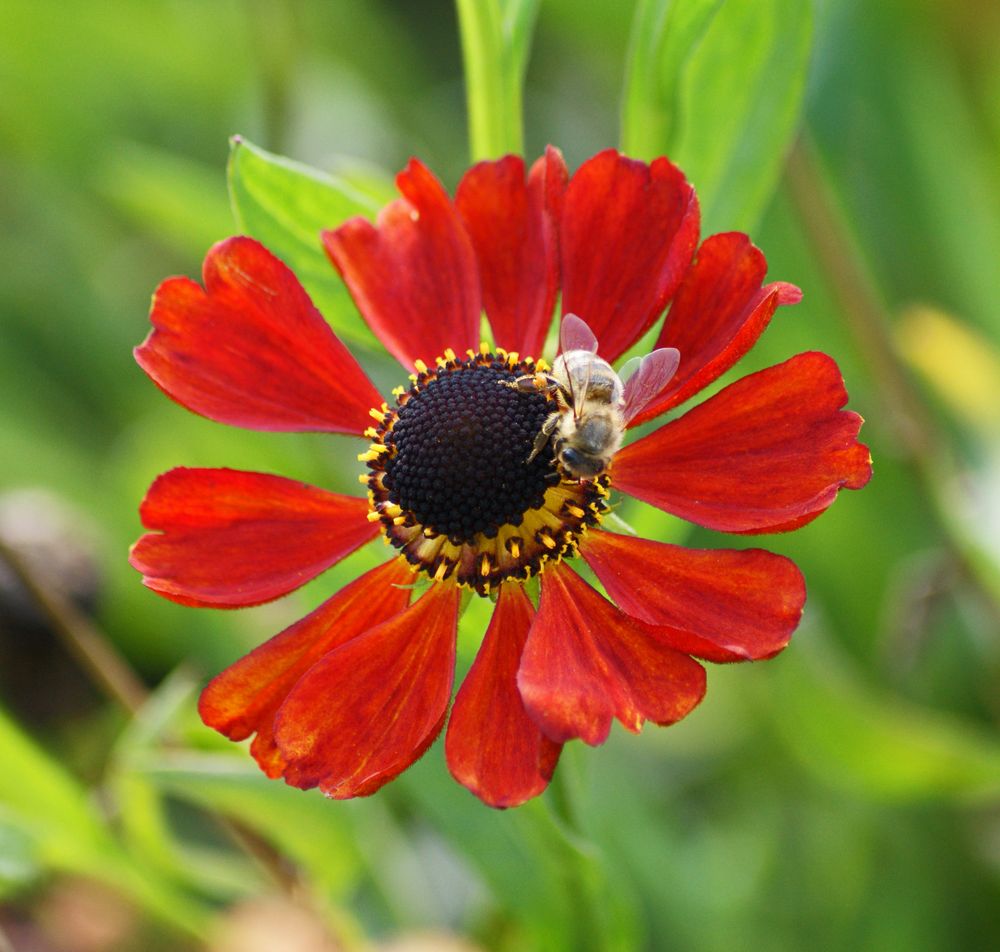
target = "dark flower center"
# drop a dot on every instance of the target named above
(450, 482)
(461, 445)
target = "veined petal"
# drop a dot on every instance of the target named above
(766, 454)
(513, 226)
(368, 709)
(226, 539)
(244, 699)
(493, 747)
(722, 604)
(627, 236)
(413, 274)
(586, 662)
(717, 315)
(251, 350)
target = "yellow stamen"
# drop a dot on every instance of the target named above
(420, 365)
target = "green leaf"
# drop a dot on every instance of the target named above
(302, 824)
(61, 829)
(285, 206)
(719, 89)
(664, 35)
(51, 805)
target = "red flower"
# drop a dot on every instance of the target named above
(352, 694)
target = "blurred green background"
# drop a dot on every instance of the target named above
(845, 795)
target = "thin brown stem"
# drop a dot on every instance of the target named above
(80, 636)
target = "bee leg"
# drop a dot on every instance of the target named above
(544, 434)
(531, 383)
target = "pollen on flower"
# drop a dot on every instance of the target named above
(451, 481)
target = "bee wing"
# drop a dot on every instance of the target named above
(649, 375)
(575, 335)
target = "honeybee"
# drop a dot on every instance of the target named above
(595, 404)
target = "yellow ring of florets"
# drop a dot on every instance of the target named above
(546, 534)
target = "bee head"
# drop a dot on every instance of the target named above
(581, 465)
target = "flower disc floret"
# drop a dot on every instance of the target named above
(451, 482)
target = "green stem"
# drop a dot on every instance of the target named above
(492, 83)
(577, 859)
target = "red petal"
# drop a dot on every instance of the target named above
(627, 236)
(724, 604)
(493, 747)
(251, 350)
(370, 708)
(245, 698)
(226, 538)
(586, 662)
(514, 229)
(412, 275)
(766, 454)
(717, 316)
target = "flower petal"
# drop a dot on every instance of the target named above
(724, 604)
(244, 699)
(226, 538)
(413, 274)
(493, 747)
(766, 454)
(513, 225)
(370, 708)
(251, 350)
(586, 662)
(627, 235)
(717, 315)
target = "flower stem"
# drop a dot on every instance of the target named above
(493, 70)
(578, 858)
